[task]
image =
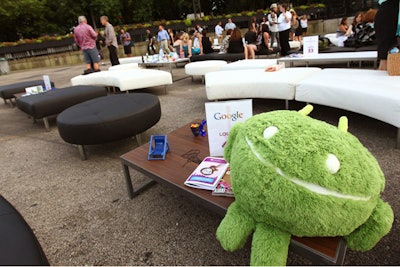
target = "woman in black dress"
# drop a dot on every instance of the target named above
(206, 43)
(236, 42)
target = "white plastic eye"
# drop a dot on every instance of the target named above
(270, 132)
(332, 163)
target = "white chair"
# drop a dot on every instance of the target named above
(250, 64)
(256, 83)
(201, 68)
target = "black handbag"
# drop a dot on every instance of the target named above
(350, 42)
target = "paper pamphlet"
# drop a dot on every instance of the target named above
(208, 174)
(47, 83)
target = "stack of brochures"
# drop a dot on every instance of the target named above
(224, 187)
(208, 174)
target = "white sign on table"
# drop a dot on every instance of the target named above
(221, 116)
(310, 46)
(47, 83)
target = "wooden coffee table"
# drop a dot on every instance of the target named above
(186, 153)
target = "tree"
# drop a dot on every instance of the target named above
(32, 18)
(22, 18)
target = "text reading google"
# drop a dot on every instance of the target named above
(228, 116)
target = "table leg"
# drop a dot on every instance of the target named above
(128, 180)
(287, 104)
(46, 124)
(82, 152)
(170, 70)
(341, 253)
(11, 103)
(131, 191)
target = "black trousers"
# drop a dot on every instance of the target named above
(113, 55)
(386, 27)
(152, 48)
(284, 41)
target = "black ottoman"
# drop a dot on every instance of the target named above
(43, 105)
(18, 243)
(8, 91)
(108, 118)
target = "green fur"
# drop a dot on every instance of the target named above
(269, 199)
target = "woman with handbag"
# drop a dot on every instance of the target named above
(387, 27)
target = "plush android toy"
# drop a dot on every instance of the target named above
(294, 175)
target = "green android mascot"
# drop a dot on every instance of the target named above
(294, 175)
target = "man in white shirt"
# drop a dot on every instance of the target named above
(284, 28)
(273, 24)
(218, 31)
(230, 25)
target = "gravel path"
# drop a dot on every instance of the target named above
(80, 211)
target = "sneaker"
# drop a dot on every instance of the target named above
(97, 70)
(87, 71)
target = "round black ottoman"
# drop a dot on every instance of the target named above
(108, 118)
(18, 243)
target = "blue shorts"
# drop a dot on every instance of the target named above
(91, 56)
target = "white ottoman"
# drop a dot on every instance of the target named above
(126, 80)
(239, 84)
(127, 66)
(249, 64)
(201, 68)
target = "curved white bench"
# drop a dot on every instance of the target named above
(201, 68)
(126, 80)
(250, 64)
(127, 60)
(292, 44)
(258, 83)
(127, 66)
(369, 92)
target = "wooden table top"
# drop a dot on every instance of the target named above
(186, 152)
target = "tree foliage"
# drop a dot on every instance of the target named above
(32, 18)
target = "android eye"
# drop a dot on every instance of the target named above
(332, 163)
(270, 132)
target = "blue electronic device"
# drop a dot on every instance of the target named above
(158, 147)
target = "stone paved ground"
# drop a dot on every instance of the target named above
(80, 210)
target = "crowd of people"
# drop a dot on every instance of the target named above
(90, 43)
(378, 27)
(276, 28)
(360, 32)
(279, 26)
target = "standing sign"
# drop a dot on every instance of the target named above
(221, 116)
(310, 46)
(47, 83)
